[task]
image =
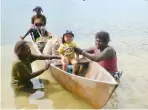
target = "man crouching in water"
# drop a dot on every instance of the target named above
(21, 68)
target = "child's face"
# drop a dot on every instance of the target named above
(68, 38)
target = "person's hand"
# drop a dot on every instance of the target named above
(78, 50)
(64, 60)
(47, 66)
(21, 37)
(81, 57)
(49, 33)
(78, 59)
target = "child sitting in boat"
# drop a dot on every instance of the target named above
(67, 53)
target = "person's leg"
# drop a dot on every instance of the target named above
(74, 63)
(64, 64)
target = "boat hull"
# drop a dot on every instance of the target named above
(96, 87)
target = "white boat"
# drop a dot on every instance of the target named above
(95, 85)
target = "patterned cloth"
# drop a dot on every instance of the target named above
(41, 45)
(67, 49)
(117, 75)
(40, 29)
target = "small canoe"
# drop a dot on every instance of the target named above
(95, 86)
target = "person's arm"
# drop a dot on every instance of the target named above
(89, 50)
(61, 52)
(37, 73)
(29, 31)
(77, 54)
(106, 54)
(62, 56)
(45, 20)
(25, 74)
(79, 51)
(32, 20)
(45, 57)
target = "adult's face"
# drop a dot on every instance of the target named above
(38, 12)
(100, 44)
(26, 50)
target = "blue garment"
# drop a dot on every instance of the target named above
(69, 69)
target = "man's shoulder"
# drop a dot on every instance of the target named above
(109, 48)
(33, 16)
(43, 16)
(110, 51)
(17, 63)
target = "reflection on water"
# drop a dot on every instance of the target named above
(22, 100)
(113, 102)
(56, 97)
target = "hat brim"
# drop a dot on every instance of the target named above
(69, 33)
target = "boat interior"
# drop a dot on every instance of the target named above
(89, 69)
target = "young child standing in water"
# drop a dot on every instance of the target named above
(66, 51)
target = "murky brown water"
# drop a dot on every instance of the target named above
(125, 20)
(131, 93)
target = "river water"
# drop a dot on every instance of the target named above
(125, 20)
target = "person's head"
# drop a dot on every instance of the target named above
(67, 37)
(22, 49)
(38, 10)
(102, 39)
